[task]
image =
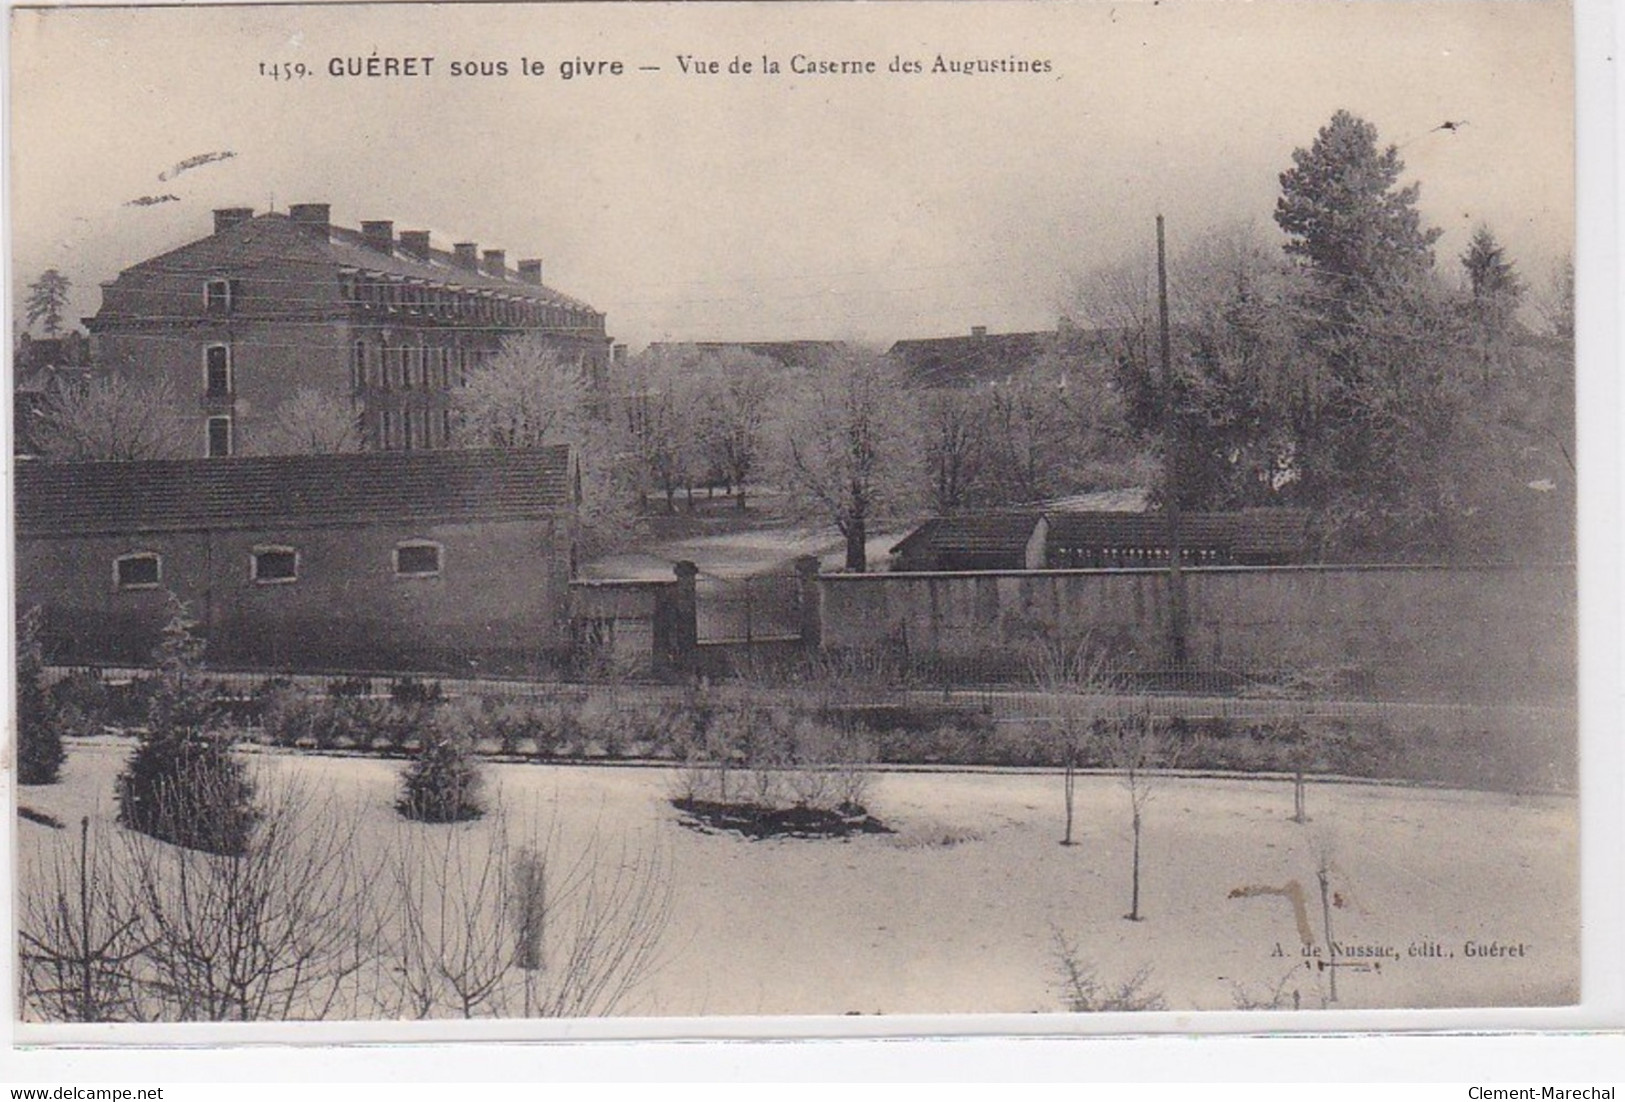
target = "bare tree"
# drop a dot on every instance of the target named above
(282, 930)
(79, 938)
(1076, 681)
(1134, 746)
(848, 453)
(1084, 992)
(112, 418)
(309, 423)
(481, 927)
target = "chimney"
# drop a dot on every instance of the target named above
(530, 271)
(415, 243)
(315, 216)
(227, 217)
(496, 263)
(978, 330)
(617, 354)
(379, 236)
(466, 254)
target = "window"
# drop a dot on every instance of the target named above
(219, 437)
(406, 429)
(217, 295)
(273, 565)
(358, 365)
(417, 559)
(138, 570)
(217, 371)
(445, 427)
(386, 430)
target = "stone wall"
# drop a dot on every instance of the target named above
(1439, 633)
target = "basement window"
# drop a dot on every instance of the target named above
(138, 570)
(273, 565)
(417, 559)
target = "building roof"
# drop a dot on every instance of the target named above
(1246, 532)
(291, 491)
(981, 357)
(798, 354)
(973, 534)
(278, 236)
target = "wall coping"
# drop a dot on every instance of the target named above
(621, 583)
(1162, 571)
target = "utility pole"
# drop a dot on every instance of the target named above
(1170, 448)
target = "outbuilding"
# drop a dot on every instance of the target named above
(433, 561)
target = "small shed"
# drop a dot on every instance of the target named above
(974, 541)
(1243, 537)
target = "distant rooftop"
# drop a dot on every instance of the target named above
(980, 357)
(798, 354)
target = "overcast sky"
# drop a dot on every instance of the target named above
(812, 206)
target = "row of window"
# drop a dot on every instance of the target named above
(406, 367)
(275, 565)
(398, 295)
(412, 366)
(411, 429)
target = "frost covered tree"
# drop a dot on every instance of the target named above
(737, 395)
(111, 418)
(309, 423)
(48, 300)
(848, 456)
(1346, 215)
(533, 395)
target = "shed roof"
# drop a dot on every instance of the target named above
(972, 533)
(1259, 531)
(290, 491)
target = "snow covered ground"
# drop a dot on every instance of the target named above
(740, 554)
(958, 910)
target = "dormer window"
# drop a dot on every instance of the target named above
(217, 296)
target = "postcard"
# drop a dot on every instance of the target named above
(647, 520)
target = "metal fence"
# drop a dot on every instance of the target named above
(761, 607)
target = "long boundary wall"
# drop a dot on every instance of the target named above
(1439, 633)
